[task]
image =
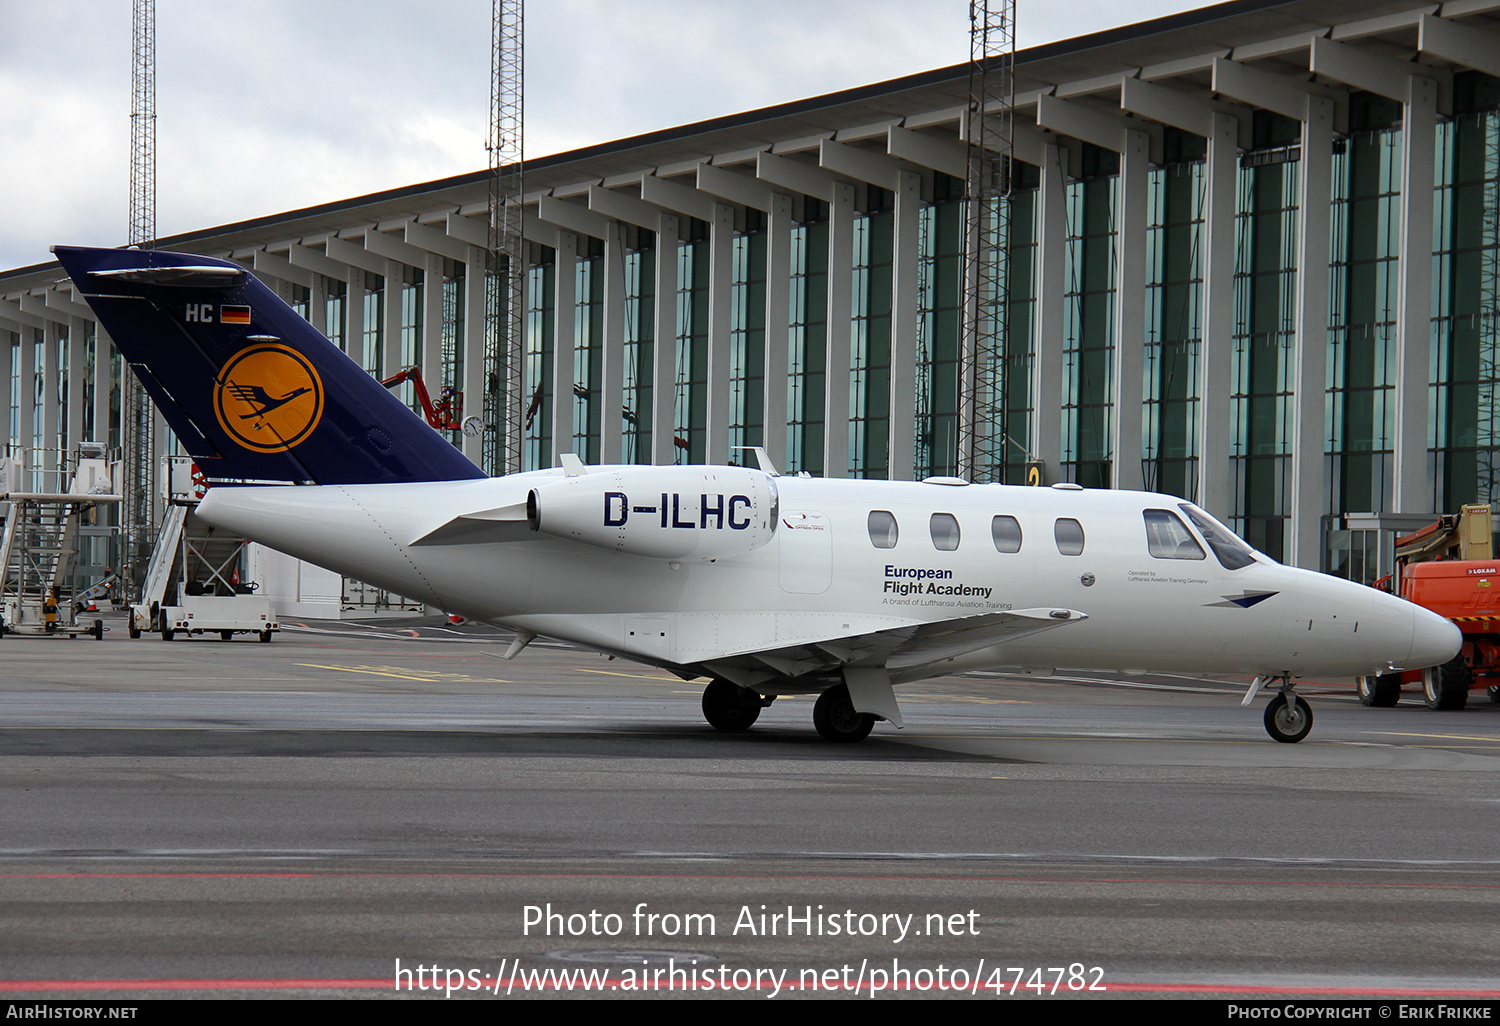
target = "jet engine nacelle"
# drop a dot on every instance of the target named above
(676, 513)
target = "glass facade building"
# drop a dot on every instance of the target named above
(1266, 282)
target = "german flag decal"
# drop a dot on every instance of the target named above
(234, 315)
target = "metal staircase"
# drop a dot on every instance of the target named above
(38, 548)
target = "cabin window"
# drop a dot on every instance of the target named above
(883, 532)
(1069, 535)
(1230, 550)
(1168, 538)
(944, 532)
(1007, 533)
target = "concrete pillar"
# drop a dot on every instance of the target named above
(1047, 377)
(901, 445)
(612, 362)
(565, 299)
(1414, 488)
(390, 336)
(473, 342)
(1130, 314)
(664, 346)
(1308, 497)
(720, 307)
(840, 300)
(778, 310)
(1216, 347)
(354, 316)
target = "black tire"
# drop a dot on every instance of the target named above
(1288, 723)
(166, 631)
(837, 720)
(1381, 692)
(98, 631)
(726, 706)
(226, 635)
(135, 632)
(1447, 686)
(265, 636)
(1494, 692)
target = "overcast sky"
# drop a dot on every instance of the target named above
(270, 105)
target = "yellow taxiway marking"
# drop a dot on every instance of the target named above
(425, 677)
(636, 676)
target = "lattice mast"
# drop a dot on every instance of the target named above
(505, 282)
(981, 398)
(135, 514)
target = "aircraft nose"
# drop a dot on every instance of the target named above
(1434, 640)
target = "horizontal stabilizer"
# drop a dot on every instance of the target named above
(503, 523)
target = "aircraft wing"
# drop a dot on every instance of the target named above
(896, 648)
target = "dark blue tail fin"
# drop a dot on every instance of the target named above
(254, 392)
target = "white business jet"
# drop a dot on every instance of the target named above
(766, 584)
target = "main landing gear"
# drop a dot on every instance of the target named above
(729, 707)
(836, 718)
(1288, 718)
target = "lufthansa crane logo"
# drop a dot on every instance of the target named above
(268, 397)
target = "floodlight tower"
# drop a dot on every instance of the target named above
(135, 516)
(505, 283)
(988, 130)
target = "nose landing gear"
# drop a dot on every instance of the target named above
(1288, 718)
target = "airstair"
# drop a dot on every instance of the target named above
(194, 583)
(40, 544)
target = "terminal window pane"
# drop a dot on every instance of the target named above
(1069, 536)
(883, 531)
(1006, 531)
(944, 527)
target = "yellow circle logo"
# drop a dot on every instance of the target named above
(268, 397)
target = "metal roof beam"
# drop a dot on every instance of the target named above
(867, 166)
(572, 217)
(1361, 69)
(276, 266)
(1278, 93)
(940, 153)
(392, 248)
(1192, 111)
(354, 256)
(628, 209)
(798, 177)
(679, 198)
(301, 256)
(1469, 45)
(433, 240)
(746, 190)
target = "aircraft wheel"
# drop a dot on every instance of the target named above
(1447, 686)
(728, 706)
(836, 718)
(1382, 691)
(1288, 723)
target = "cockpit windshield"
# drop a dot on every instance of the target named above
(1227, 546)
